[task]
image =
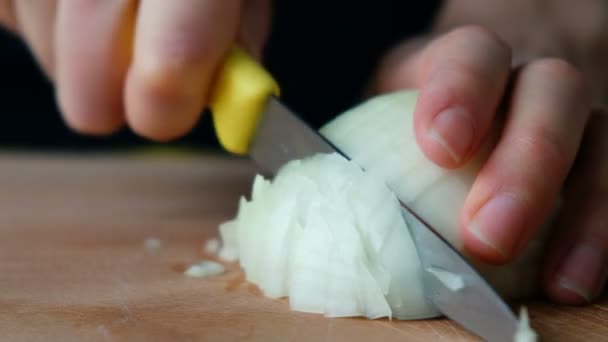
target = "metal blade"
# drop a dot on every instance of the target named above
(281, 137)
(455, 287)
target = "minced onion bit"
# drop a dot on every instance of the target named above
(212, 246)
(152, 243)
(205, 268)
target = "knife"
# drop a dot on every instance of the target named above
(250, 120)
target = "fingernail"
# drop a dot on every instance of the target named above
(453, 130)
(582, 271)
(499, 223)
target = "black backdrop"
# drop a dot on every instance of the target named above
(321, 52)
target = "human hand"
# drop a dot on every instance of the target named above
(464, 76)
(147, 63)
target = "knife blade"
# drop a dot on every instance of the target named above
(281, 137)
(455, 287)
(250, 120)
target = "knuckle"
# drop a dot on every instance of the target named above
(171, 75)
(595, 223)
(561, 71)
(472, 56)
(181, 50)
(548, 152)
(483, 35)
(472, 31)
(461, 83)
(158, 77)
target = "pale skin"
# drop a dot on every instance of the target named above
(149, 64)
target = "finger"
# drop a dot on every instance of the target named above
(518, 185)
(398, 68)
(36, 25)
(178, 46)
(7, 15)
(577, 266)
(93, 49)
(462, 77)
(255, 26)
(581, 260)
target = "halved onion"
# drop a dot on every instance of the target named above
(330, 236)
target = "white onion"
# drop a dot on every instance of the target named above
(331, 237)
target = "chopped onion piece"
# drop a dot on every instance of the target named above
(212, 246)
(229, 249)
(331, 238)
(524, 332)
(152, 243)
(205, 268)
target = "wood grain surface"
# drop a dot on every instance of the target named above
(74, 266)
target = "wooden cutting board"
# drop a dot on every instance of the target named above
(74, 265)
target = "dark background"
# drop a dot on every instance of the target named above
(322, 53)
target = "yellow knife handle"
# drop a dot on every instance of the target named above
(241, 90)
